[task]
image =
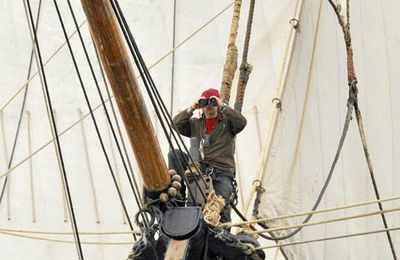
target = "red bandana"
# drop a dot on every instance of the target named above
(210, 124)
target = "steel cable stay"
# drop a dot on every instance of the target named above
(156, 100)
(134, 188)
(11, 158)
(92, 116)
(109, 98)
(23, 86)
(58, 150)
(97, 106)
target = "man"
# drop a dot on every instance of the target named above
(216, 129)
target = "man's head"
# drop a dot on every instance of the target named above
(209, 103)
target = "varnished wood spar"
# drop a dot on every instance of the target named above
(115, 60)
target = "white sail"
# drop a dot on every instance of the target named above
(317, 67)
(309, 127)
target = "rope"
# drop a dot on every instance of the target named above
(24, 85)
(89, 168)
(245, 68)
(352, 83)
(152, 91)
(212, 209)
(231, 55)
(326, 221)
(10, 160)
(238, 224)
(31, 168)
(86, 233)
(325, 186)
(153, 65)
(296, 154)
(274, 117)
(107, 100)
(330, 238)
(67, 241)
(65, 179)
(106, 113)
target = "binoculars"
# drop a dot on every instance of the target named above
(204, 102)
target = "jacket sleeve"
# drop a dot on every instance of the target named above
(181, 122)
(238, 121)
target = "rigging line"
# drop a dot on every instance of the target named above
(173, 60)
(154, 93)
(230, 64)
(308, 212)
(100, 105)
(64, 199)
(6, 160)
(117, 171)
(67, 241)
(65, 179)
(326, 221)
(391, 94)
(154, 64)
(331, 238)
(89, 168)
(372, 175)
(143, 70)
(25, 84)
(352, 83)
(161, 104)
(22, 107)
(300, 131)
(350, 107)
(85, 233)
(31, 167)
(245, 68)
(144, 75)
(275, 114)
(62, 190)
(250, 225)
(104, 107)
(109, 98)
(90, 109)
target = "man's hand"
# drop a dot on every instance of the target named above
(196, 104)
(219, 101)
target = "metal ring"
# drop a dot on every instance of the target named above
(295, 23)
(144, 211)
(278, 104)
(258, 183)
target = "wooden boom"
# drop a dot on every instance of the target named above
(116, 63)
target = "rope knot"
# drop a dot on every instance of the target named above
(353, 92)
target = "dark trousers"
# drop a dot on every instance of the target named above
(222, 181)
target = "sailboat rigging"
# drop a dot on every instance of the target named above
(300, 136)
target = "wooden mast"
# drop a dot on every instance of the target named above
(116, 63)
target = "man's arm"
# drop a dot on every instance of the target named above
(237, 119)
(181, 122)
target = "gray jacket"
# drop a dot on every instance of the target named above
(220, 151)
